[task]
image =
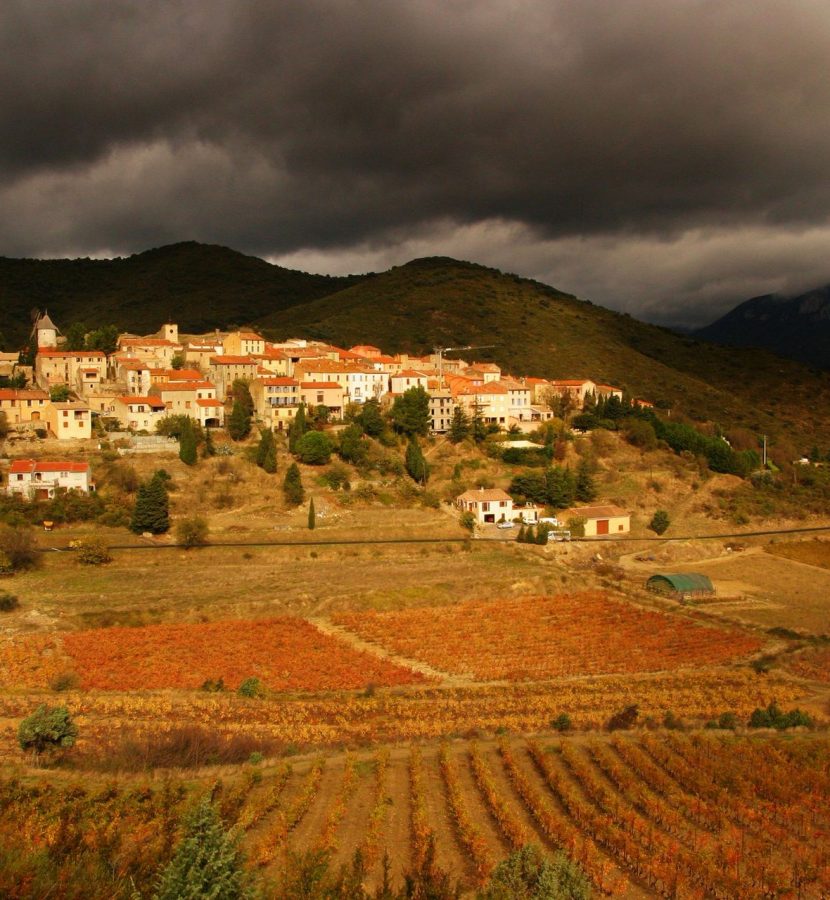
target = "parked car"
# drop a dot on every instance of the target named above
(506, 525)
(550, 520)
(563, 535)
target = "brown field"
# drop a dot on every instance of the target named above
(813, 553)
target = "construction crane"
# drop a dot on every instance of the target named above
(440, 351)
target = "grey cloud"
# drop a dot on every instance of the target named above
(316, 126)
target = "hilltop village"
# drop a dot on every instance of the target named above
(149, 377)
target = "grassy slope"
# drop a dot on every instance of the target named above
(539, 330)
(197, 285)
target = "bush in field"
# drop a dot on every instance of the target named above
(467, 520)
(250, 687)
(47, 728)
(773, 717)
(8, 602)
(623, 719)
(94, 552)
(192, 532)
(19, 547)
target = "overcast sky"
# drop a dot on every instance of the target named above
(665, 157)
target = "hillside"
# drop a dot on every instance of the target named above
(198, 285)
(536, 329)
(794, 327)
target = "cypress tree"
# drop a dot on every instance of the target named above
(266, 454)
(416, 464)
(239, 423)
(292, 486)
(151, 512)
(207, 862)
(459, 426)
(312, 516)
(208, 448)
(187, 445)
(297, 428)
(585, 489)
(521, 537)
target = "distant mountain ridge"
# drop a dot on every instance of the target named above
(200, 286)
(793, 327)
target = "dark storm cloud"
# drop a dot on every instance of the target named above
(290, 127)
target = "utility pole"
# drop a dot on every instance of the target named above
(765, 451)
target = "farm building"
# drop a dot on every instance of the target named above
(600, 520)
(681, 586)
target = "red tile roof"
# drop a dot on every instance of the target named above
(97, 354)
(21, 466)
(149, 401)
(320, 385)
(22, 394)
(232, 361)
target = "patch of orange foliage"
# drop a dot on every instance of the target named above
(286, 654)
(533, 638)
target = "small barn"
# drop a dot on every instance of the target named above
(682, 585)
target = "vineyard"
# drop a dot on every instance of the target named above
(534, 638)
(391, 715)
(647, 814)
(286, 654)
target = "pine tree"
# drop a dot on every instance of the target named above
(292, 486)
(560, 487)
(312, 516)
(370, 418)
(460, 425)
(187, 445)
(297, 428)
(585, 489)
(207, 862)
(151, 512)
(239, 423)
(410, 412)
(416, 464)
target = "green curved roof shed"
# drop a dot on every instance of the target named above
(681, 583)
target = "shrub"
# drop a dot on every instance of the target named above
(192, 532)
(467, 520)
(251, 687)
(774, 717)
(214, 686)
(659, 521)
(8, 602)
(48, 728)
(562, 722)
(313, 448)
(623, 719)
(728, 720)
(19, 547)
(94, 552)
(66, 681)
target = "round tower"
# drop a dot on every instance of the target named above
(47, 332)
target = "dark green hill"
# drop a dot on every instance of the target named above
(536, 329)
(794, 327)
(200, 286)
